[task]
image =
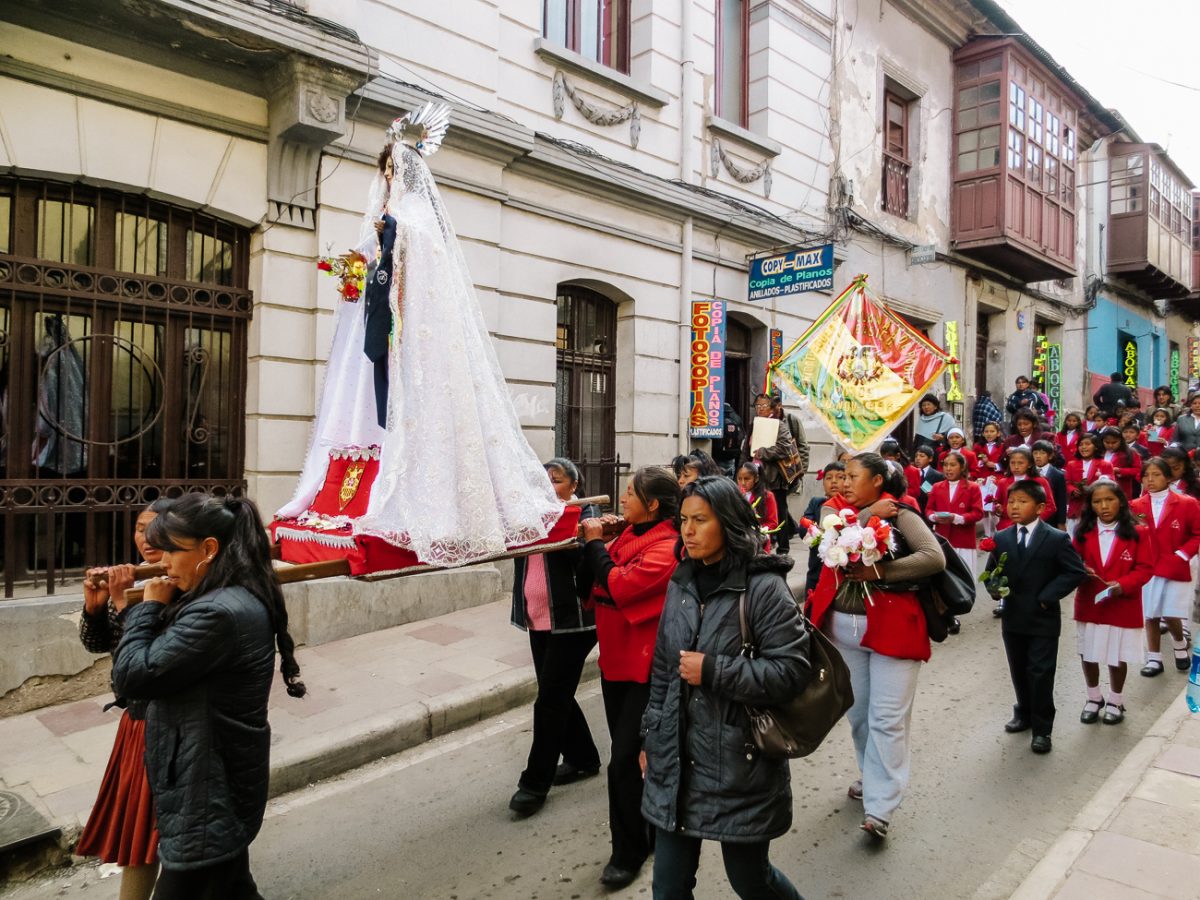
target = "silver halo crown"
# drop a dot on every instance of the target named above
(422, 129)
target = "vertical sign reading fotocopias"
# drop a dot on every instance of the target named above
(707, 363)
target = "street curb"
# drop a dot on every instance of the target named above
(414, 724)
(1055, 866)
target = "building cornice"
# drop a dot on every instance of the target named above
(577, 64)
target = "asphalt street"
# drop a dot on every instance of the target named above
(434, 823)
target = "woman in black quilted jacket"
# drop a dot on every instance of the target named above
(705, 778)
(204, 664)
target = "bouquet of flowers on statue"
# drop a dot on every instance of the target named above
(840, 541)
(994, 579)
(351, 270)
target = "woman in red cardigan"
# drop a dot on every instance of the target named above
(1119, 557)
(628, 580)
(884, 641)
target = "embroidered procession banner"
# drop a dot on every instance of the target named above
(859, 369)
(707, 380)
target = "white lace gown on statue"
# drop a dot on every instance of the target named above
(457, 479)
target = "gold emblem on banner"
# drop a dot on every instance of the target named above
(350, 482)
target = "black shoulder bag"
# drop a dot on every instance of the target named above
(797, 727)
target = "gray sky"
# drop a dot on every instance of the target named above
(1124, 52)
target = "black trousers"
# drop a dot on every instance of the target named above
(230, 880)
(747, 866)
(787, 525)
(1032, 662)
(624, 704)
(559, 726)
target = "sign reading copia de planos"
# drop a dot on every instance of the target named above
(707, 379)
(791, 273)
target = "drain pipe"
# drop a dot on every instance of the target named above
(687, 114)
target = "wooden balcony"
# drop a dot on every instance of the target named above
(1014, 162)
(1150, 211)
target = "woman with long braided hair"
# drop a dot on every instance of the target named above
(200, 650)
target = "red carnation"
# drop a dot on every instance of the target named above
(325, 266)
(987, 545)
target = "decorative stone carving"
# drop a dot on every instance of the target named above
(306, 106)
(595, 114)
(742, 175)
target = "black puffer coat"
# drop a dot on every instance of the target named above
(730, 792)
(207, 674)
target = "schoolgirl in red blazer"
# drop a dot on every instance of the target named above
(1027, 429)
(1119, 557)
(1159, 433)
(1081, 472)
(1184, 477)
(891, 451)
(628, 580)
(1068, 438)
(989, 453)
(1127, 465)
(958, 444)
(1174, 523)
(761, 500)
(1020, 464)
(955, 505)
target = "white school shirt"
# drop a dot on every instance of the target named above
(1157, 502)
(1108, 537)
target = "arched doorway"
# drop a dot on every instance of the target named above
(585, 389)
(123, 326)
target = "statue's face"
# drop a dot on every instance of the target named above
(389, 169)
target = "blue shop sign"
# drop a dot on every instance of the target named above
(791, 273)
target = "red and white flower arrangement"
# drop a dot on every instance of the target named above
(841, 541)
(350, 270)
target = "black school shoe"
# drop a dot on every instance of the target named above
(1182, 663)
(1091, 712)
(1040, 743)
(526, 802)
(1113, 714)
(569, 774)
(1152, 668)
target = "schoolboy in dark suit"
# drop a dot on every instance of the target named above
(1042, 568)
(1043, 458)
(924, 458)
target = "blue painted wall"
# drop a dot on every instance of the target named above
(1103, 353)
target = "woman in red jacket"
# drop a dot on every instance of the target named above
(1159, 433)
(1027, 430)
(628, 580)
(884, 641)
(954, 506)
(1082, 471)
(1119, 557)
(1020, 465)
(1127, 465)
(1174, 523)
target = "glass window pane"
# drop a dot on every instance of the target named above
(990, 137)
(989, 159)
(732, 62)
(554, 24)
(968, 162)
(968, 97)
(990, 66)
(209, 259)
(968, 141)
(65, 232)
(989, 91)
(989, 112)
(5, 223)
(63, 361)
(141, 244)
(968, 118)
(589, 28)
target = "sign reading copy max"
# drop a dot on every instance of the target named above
(707, 381)
(791, 273)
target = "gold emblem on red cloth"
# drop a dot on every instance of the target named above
(350, 482)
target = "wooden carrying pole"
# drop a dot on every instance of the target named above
(333, 568)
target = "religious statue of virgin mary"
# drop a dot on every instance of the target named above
(413, 395)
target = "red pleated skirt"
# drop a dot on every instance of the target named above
(121, 828)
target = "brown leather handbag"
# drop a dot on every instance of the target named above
(797, 727)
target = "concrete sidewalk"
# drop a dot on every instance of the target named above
(368, 696)
(1139, 837)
